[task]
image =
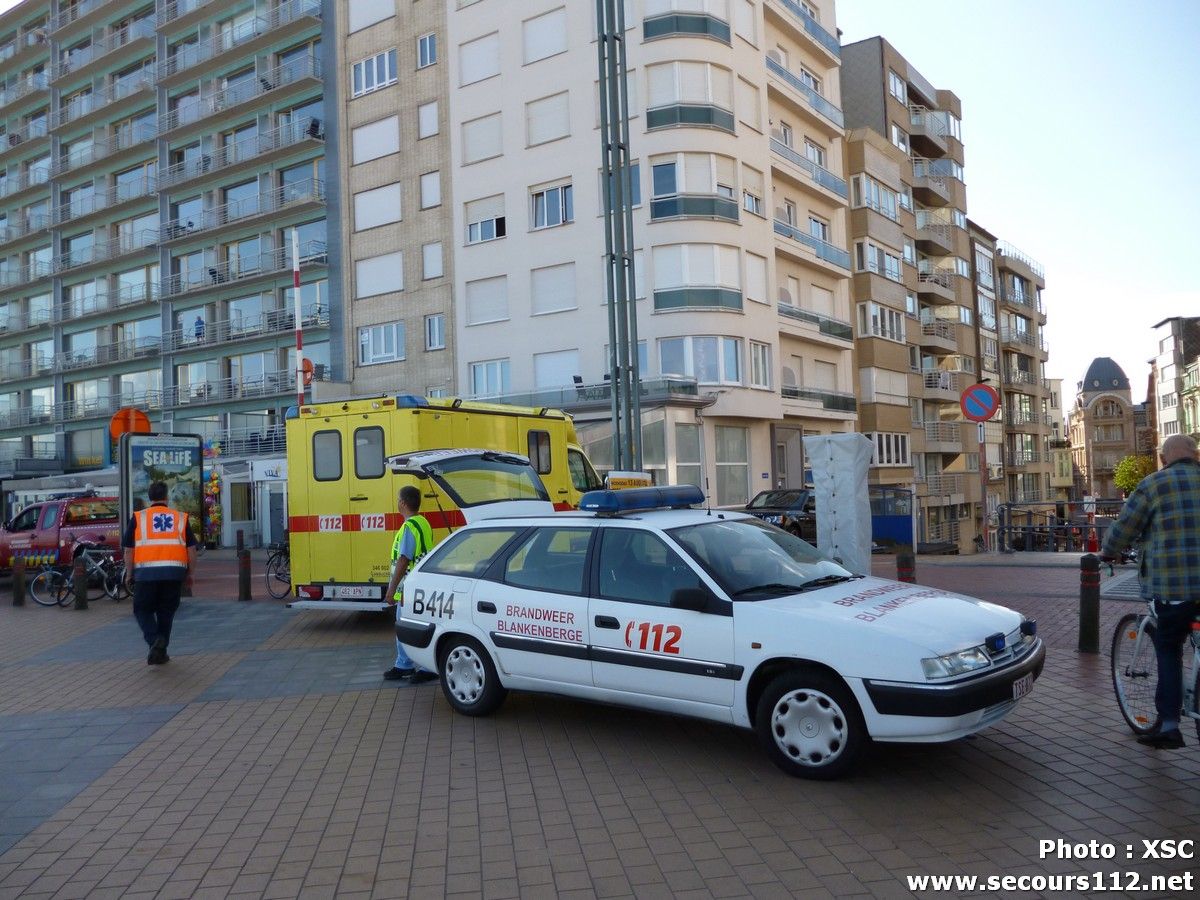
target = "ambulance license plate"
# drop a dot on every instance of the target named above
(1022, 686)
(353, 592)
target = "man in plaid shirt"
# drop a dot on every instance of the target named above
(1163, 513)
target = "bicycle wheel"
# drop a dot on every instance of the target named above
(279, 576)
(114, 583)
(1135, 671)
(46, 587)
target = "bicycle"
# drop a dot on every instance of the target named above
(105, 576)
(1135, 671)
(50, 586)
(279, 571)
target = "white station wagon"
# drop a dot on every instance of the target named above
(640, 599)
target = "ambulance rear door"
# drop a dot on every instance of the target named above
(371, 517)
(328, 500)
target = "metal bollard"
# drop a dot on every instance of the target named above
(243, 559)
(1089, 604)
(18, 580)
(906, 567)
(79, 581)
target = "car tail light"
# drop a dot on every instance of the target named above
(309, 591)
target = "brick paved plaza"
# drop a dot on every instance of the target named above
(269, 759)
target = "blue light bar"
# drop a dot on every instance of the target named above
(410, 401)
(679, 496)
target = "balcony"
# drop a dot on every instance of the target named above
(235, 271)
(101, 149)
(225, 390)
(706, 115)
(927, 130)
(108, 251)
(1022, 457)
(103, 103)
(107, 301)
(933, 232)
(105, 200)
(25, 415)
(77, 13)
(821, 176)
(832, 400)
(25, 275)
(20, 88)
(827, 325)
(276, 321)
(1027, 301)
(251, 149)
(281, 200)
(1021, 418)
(16, 322)
(247, 38)
(181, 12)
(667, 389)
(942, 385)
(812, 28)
(939, 336)
(686, 25)
(104, 407)
(929, 187)
(26, 368)
(22, 229)
(27, 45)
(240, 443)
(937, 285)
(104, 354)
(824, 250)
(1012, 254)
(134, 36)
(942, 485)
(697, 298)
(942, 532)
(694, 206)
(816, 102)
(1021, 338)
(24, 181)
(943, 437)
(1017, 376)
(305, 71)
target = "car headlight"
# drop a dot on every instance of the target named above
(956, 663)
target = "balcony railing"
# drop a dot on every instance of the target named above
(1020, 417)
(235, 152)
(1006, 249)
(108, 250)
(835, 400)
(239, 443)
(241, 388)
(813, 27)
(102, 407)
(570, 396)
(188, 56)
(815, 100)
(269, 262)
(694, 206)
(1017, 376)
(106, 301)
(26, 368)
(837, 328)
(1023, 457)
(89, 103)
(22, 181)
(942, 532)
(103, 354)
(940, 380)
(241, 92)
(278, 200)
(942, 484)
(102, 47)
(17, 88)
(145, 186)
(820, 175)
(172, 11)
(831, 253)
(942, 432)
(18, 136)
(941, 330)
(20, 320)
(100, 148)
(1024, 338)
(273, 321)
(74, 13)
(31, 224)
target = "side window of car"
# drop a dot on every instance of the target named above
(469, 553)
(638, 566)
(49, 516)
(550, 559)
(26, 520)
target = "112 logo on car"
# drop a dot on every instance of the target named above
(650, 636)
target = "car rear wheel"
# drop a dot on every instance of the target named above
(469, 678)
(810, 725)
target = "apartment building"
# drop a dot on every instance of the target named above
(912, 285)
(154, 164)
(740, 209)
(1102, 426)
(392, 91)
(1177, 342)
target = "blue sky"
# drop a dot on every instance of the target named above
(1081, 136)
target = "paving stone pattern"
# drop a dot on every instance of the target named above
(269, 759)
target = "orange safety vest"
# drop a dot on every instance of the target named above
(159, 538)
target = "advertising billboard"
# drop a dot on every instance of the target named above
(177, 460)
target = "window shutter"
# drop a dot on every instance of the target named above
(668, 266)
(377, 207)
(693, 82)
(427, 119)
(479, 59)
(553, 288)
(747, 104)
(485, 208)
(376, 139)
(555, 369)
(701, 265)
(752, 180)
(487, 300)
(744, 21)
(756, 278)
(482, 138)
(660, 82)
(362, 13)
(722, 86)
(697, 173)
(379, 275)
(546, 35)
(821, 300)
(547, 119)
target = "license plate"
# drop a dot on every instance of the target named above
(353, 592)
(1022, 686)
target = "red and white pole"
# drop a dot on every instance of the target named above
(299, 321)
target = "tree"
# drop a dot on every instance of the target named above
(1131, 470)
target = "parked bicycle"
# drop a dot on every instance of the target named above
(1135, 671)
(279, 571)
(55, 585)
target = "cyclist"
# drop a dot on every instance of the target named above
(1163, 513)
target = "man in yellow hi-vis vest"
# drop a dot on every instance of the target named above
(412, 541)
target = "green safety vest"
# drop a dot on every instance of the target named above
(422, 540)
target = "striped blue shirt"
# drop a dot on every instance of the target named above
(1163, 513)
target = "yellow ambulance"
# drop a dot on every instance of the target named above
(342, 497)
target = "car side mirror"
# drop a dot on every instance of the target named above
(695, 599)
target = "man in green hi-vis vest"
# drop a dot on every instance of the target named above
(412, 541)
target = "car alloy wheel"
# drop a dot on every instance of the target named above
(464, 674)
(809, 727)
(469, 678)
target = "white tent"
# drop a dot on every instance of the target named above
(839, 464)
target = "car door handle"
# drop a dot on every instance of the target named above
(607, 622)
(360, 497)
(484, 606)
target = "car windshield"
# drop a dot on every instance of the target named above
(751, 560)
(776, 499)
(489, 478)
(98, 510)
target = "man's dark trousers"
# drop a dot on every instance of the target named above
(1174, 625)
(154, 605)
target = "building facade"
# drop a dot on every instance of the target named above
(1177, 342)
(1102, 428)
(156, 162)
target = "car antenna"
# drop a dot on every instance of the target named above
(707, 497)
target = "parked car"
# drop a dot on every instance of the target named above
(45, 533)
(792, 509)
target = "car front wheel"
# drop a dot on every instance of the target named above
(469, 678)
(810, 725)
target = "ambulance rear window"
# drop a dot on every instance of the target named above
(327, 456)
(368, 452)
(539, 451)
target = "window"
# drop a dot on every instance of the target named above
(482, 139)
(368, 452)
(910, 251)
(733, 465)
(373, 73)
(787, 137)
(487, 300)
(555, 369)
(876, 320)
(818, 228)
(426, 50)
(964, 315)
(485, 219)
(891, 449)
(872, 258)
(427, 119)
(380, 343)
(897, 87)
(552, 289)
(760, 365)
(469, 553)
(900, 137)
(905, 198)
(379, 275)
(870, 193)
(638, 567)
(550, 559)
(431, 261)
(814, 152)
(547, 119)
(689, 82)
(688, 462)
(376, 139)
(710, 360)
(327, 456)
(361, 12)
(553, 206)
(431, 190)
(984, 268)
(635, 185)
(696, 265)
(376, 207)
(789, 212)
(752, 203)
(479, 59)
(810, 79)
(545, 35)
(489, 377)
(435, 332)
(756, 278)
